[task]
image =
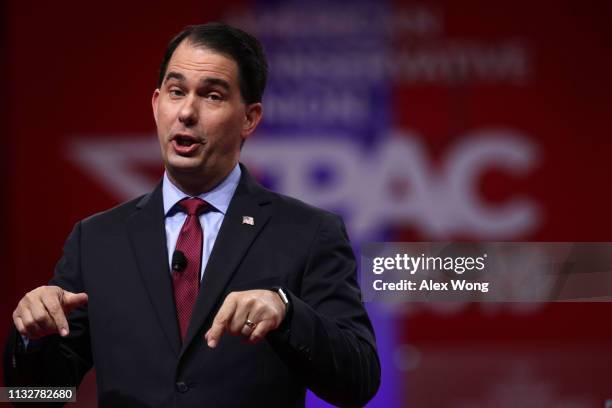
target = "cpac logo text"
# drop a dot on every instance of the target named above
(439, 202)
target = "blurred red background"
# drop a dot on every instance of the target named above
(77, 74)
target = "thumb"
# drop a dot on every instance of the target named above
(71, 301)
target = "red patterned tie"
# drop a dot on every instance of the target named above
(187, 282)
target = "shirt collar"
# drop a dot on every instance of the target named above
(219, 197)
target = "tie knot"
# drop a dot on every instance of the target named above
(193, 206)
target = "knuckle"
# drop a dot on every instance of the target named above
(254, 302)
(258, 311)
(54, 308)
(40, 319)
(240, 300)
(57, 292)
(34, 294)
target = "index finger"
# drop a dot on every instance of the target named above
(56, 311)
(219, 324)
(20, 327)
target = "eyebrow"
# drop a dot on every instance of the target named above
(174, 75)
(216, 81)
(205, 81)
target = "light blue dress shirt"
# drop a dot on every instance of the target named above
(219, 198)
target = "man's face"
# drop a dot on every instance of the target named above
(200, 115)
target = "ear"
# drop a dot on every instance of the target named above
(155, 102)
(252, 116)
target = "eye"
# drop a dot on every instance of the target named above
(214, 97)
(174, 92)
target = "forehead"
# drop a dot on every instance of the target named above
(197, 62)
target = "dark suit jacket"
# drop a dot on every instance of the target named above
(129, 329)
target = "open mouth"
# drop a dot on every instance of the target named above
(185, 141)
(186, 145)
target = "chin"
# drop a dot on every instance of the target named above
(192, 170)
(184, 166)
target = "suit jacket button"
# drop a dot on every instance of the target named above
(182, 387)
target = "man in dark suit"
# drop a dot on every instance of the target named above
(148, 291)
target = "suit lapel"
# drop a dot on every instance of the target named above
(233, 241)
(146, 229)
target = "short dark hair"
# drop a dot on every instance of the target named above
(242, 47)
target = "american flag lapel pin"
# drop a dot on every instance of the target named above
(248, 220)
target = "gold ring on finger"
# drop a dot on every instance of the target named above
(250, 324)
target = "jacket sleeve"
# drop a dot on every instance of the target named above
(54, 361)
(328, 338)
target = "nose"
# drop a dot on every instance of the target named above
(188, 114)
